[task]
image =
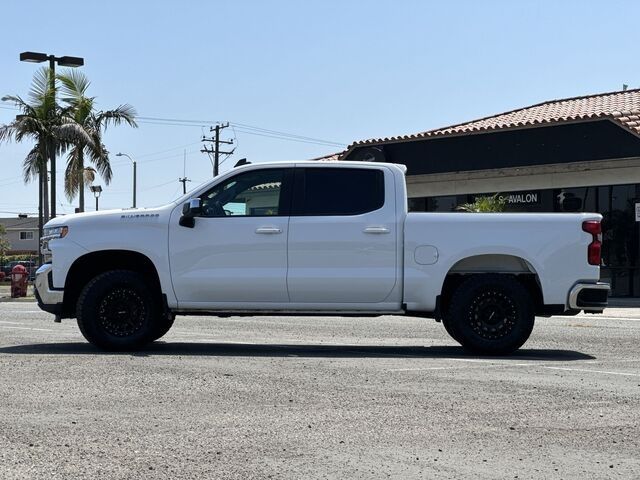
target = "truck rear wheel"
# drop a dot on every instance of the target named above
(163, 327)
(447, 324)
(117, 311)
(491, 314)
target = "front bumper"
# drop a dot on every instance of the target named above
(590, 297)
(49, 298)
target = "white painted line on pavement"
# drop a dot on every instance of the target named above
(23, 311)
(424, 368)
(473, 360)
(622, 319)
(594, 371)
(452, 367)
(28, 328)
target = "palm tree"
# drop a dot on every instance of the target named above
(46, 123)
(37, 120)
(81, 109)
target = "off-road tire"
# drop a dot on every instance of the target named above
(163, 326)
(117, 310)
(446, 323)
(491, 314)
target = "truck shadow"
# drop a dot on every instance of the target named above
(287, 350)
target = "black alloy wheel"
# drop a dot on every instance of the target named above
(122, 312)
(117, 310)
(491, 314)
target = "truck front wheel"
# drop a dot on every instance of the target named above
(491, 314)
(117, 311)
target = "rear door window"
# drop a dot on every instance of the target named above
(337, 191)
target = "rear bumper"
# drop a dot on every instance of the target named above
(590, 297)
(49, 298)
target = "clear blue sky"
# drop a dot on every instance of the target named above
(333, 70)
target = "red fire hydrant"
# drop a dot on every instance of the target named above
(19, 277)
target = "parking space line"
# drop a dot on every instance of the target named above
(454, 367)
(594, 371)
(23, 311)
(27, 328)
(576, 317)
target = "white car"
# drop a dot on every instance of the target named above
(317, 238)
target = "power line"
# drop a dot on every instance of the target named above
(191, 122)
(166, 150)
(157, 186)
(291, 139)
(245, 126)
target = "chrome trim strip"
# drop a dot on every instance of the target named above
(575, 291)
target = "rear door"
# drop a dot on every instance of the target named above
(342, 235)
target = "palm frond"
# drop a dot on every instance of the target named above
(123, 114)
(89, 174)
(100, 158)
(7, 132)
(34, 162)
(71, 178)
(74, 85)
(72, 132)
(41, 91)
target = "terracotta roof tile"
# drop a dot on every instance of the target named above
(622, 107)
(332, 157)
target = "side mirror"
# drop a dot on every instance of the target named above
(190, 210)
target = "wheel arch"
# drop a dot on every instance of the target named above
(504, 264)
(90, 265)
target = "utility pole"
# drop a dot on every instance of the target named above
(120, 154)
(184, 179)
(215, 150)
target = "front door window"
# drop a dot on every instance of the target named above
(252, 194)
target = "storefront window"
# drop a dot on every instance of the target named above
(443, 204)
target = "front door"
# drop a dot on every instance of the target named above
(236, 253)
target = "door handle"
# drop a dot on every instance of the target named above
(376, 230)
(268, 230)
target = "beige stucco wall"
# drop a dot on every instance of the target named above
(603, 172)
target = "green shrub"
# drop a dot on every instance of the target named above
(492, 204)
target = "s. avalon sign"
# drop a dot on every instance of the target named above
(517, 198)
(527, 198)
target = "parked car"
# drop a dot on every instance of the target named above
(310, 238)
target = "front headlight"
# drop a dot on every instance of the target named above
(50, 233)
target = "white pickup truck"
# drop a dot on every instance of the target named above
(309, 238)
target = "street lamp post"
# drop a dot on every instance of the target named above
(119, 154)
(66, 61)
(97, 190)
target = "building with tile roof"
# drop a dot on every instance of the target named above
(572, 154)
(621, 108)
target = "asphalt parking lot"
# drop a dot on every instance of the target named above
(321, 397)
